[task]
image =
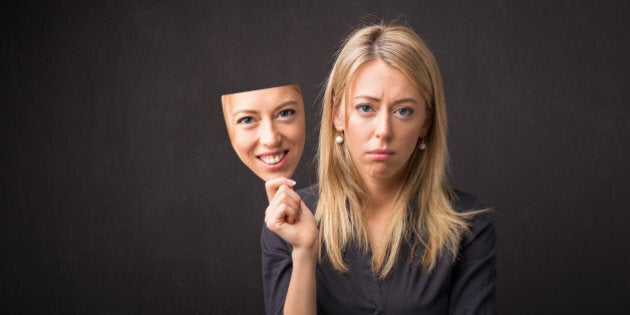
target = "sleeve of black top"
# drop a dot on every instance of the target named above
(474, 273)
(277, 263)
(276, 270)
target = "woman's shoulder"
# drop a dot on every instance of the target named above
(464, 202)
(481, 214)
(310, 196)
(480, 223)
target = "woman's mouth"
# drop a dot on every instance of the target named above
(273, 158)
(380, 155)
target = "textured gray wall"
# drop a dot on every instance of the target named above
(121, 193)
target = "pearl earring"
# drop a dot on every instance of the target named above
(339, 139)
(422, 145)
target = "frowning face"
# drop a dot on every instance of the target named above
(382, 119)
(267, 129)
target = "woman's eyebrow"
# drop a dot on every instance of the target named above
(245, 111)
(371, 98)
(376, 99)
(285, 103)
(254, 112)
(405, 100)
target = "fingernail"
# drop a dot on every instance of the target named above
(291, 182)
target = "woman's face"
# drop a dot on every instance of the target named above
(382, 118)
(267, 129)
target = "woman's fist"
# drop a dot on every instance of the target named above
(288, 216)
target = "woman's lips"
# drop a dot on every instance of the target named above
(380, 155)
(273, 160)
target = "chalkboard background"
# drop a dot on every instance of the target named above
(120, 193)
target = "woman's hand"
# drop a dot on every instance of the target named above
(272, 186)
(289, 218)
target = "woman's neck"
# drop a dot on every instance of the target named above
(381, 195)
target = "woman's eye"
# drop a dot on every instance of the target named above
(245, 120)
(286, 113)
(404, 111)
(364, 108)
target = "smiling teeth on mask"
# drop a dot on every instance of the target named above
(272, 159)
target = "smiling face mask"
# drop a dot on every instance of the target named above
(267, 129)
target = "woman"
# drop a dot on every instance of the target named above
(388, 235)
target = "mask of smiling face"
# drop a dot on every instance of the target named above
(267, 129)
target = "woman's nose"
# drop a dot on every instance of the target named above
(383, 126)
(268, 135)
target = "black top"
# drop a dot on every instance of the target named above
(466, 286)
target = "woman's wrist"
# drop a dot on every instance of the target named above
(304, 253)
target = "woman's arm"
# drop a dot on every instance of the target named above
(301, 297)
(290, 221)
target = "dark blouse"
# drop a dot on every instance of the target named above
(465, 286)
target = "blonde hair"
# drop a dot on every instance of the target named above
(423, 213)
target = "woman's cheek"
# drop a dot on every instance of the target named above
(245, 141)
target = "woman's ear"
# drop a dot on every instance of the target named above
(426, 126)
(339, 115)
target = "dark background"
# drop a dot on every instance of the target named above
(121, 194)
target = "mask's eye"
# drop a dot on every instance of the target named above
(286, 113)
(245, 120)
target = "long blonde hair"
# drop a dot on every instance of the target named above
(423, 213)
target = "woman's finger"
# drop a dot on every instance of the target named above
(278, 216)
(288, 196)
(272, 185)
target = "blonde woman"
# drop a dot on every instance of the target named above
(387, 235)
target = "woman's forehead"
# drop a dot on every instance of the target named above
(262, 100)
